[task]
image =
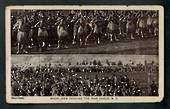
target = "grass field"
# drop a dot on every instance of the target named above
(143, 46)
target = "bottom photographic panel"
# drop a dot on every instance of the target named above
(84, 78)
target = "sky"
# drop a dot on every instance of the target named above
(64, 59)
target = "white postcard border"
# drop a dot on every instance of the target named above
(84, 99)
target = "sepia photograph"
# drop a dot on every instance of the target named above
(84, 54)
(84, 75)
(84, 31)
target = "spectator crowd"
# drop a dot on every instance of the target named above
(84, 79)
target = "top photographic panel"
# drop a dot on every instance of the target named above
(84, 30)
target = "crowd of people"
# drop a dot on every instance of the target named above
(45, 28)
(95, 79)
